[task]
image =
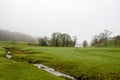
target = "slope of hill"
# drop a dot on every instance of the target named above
(17, 36)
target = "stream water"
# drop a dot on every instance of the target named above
(52, 71)
(8, 55)
(47, 69)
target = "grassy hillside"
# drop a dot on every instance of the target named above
(17, 36)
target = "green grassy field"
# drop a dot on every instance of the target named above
(14, 70)
(82, 63)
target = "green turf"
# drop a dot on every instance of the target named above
(14, 70)
(82, 63)
(2, 51)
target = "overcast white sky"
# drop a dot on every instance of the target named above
(83, 18)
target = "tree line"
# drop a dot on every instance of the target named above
(104, 40)
(58, 40)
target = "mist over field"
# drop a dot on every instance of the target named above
(59, 39)
(82, 18)
(15, 36)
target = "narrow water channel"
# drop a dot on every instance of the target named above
(52, 71)
(8, 55)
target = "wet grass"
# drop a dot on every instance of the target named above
(12, 70)
(2, 51)
(82, 63)
(15, 70)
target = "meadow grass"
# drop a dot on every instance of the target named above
(14, 70)
(2, 51)
(82, 63)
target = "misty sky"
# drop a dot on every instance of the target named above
(83, 18)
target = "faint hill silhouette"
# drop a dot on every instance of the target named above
(6, 35)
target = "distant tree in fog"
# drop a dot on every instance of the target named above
(74, 40)
(101, 39)
(85, 43)
(62, 40)
(43, 41)
(117, 40)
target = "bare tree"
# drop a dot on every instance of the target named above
(101, 39)
(74, 40)
(94, 41)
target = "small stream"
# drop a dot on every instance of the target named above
(52, 71)
(45, 68)
(8, 55)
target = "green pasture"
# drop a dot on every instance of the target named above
(2, 51)
(14, 70)
(82, 63)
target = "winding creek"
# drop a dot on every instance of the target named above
(46, 68)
